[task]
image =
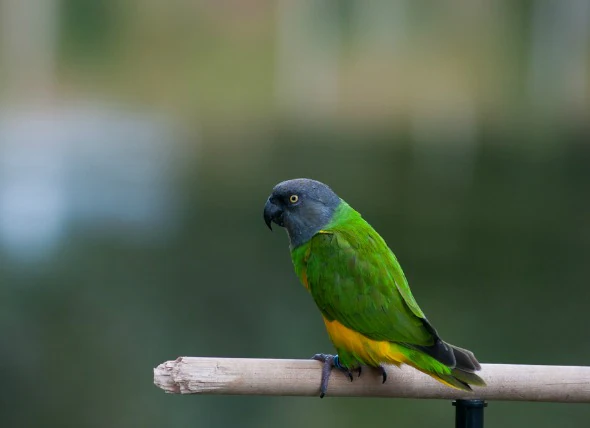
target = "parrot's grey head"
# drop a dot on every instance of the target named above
(302, 206)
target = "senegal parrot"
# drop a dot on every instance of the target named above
(360, 289)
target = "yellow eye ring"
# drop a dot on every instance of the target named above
(293, 199)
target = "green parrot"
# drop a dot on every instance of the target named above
(360, 289)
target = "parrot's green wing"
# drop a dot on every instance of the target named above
(355, 279)
(402, 285)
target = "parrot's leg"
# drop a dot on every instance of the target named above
(329, 361)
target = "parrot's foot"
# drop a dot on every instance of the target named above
(329, 362)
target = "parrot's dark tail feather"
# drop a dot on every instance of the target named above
(462, 362)
(440, 350)
(467, 378)
(450, 355)
(462, 374)
(464, 359)
(456, 368)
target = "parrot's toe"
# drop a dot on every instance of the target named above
(321, 357)
(330, 361)
(359, 370)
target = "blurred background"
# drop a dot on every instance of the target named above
(139, 140)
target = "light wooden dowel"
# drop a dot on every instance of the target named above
(242, 376)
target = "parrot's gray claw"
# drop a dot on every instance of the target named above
(383, 373)
(330, 361)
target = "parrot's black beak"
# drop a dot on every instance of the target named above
(272, 213)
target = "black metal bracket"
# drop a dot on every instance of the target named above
(469, 413)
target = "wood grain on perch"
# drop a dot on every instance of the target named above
(243, 376)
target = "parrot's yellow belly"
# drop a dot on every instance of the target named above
(368, 351)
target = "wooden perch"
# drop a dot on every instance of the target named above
(241, 376)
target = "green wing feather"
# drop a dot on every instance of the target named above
(355, 278)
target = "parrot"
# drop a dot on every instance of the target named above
(359, 287)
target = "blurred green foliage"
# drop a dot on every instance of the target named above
(498, 264)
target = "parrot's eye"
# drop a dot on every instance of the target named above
(293, 199)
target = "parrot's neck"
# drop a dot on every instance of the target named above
(342, 215)
(310, 220)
